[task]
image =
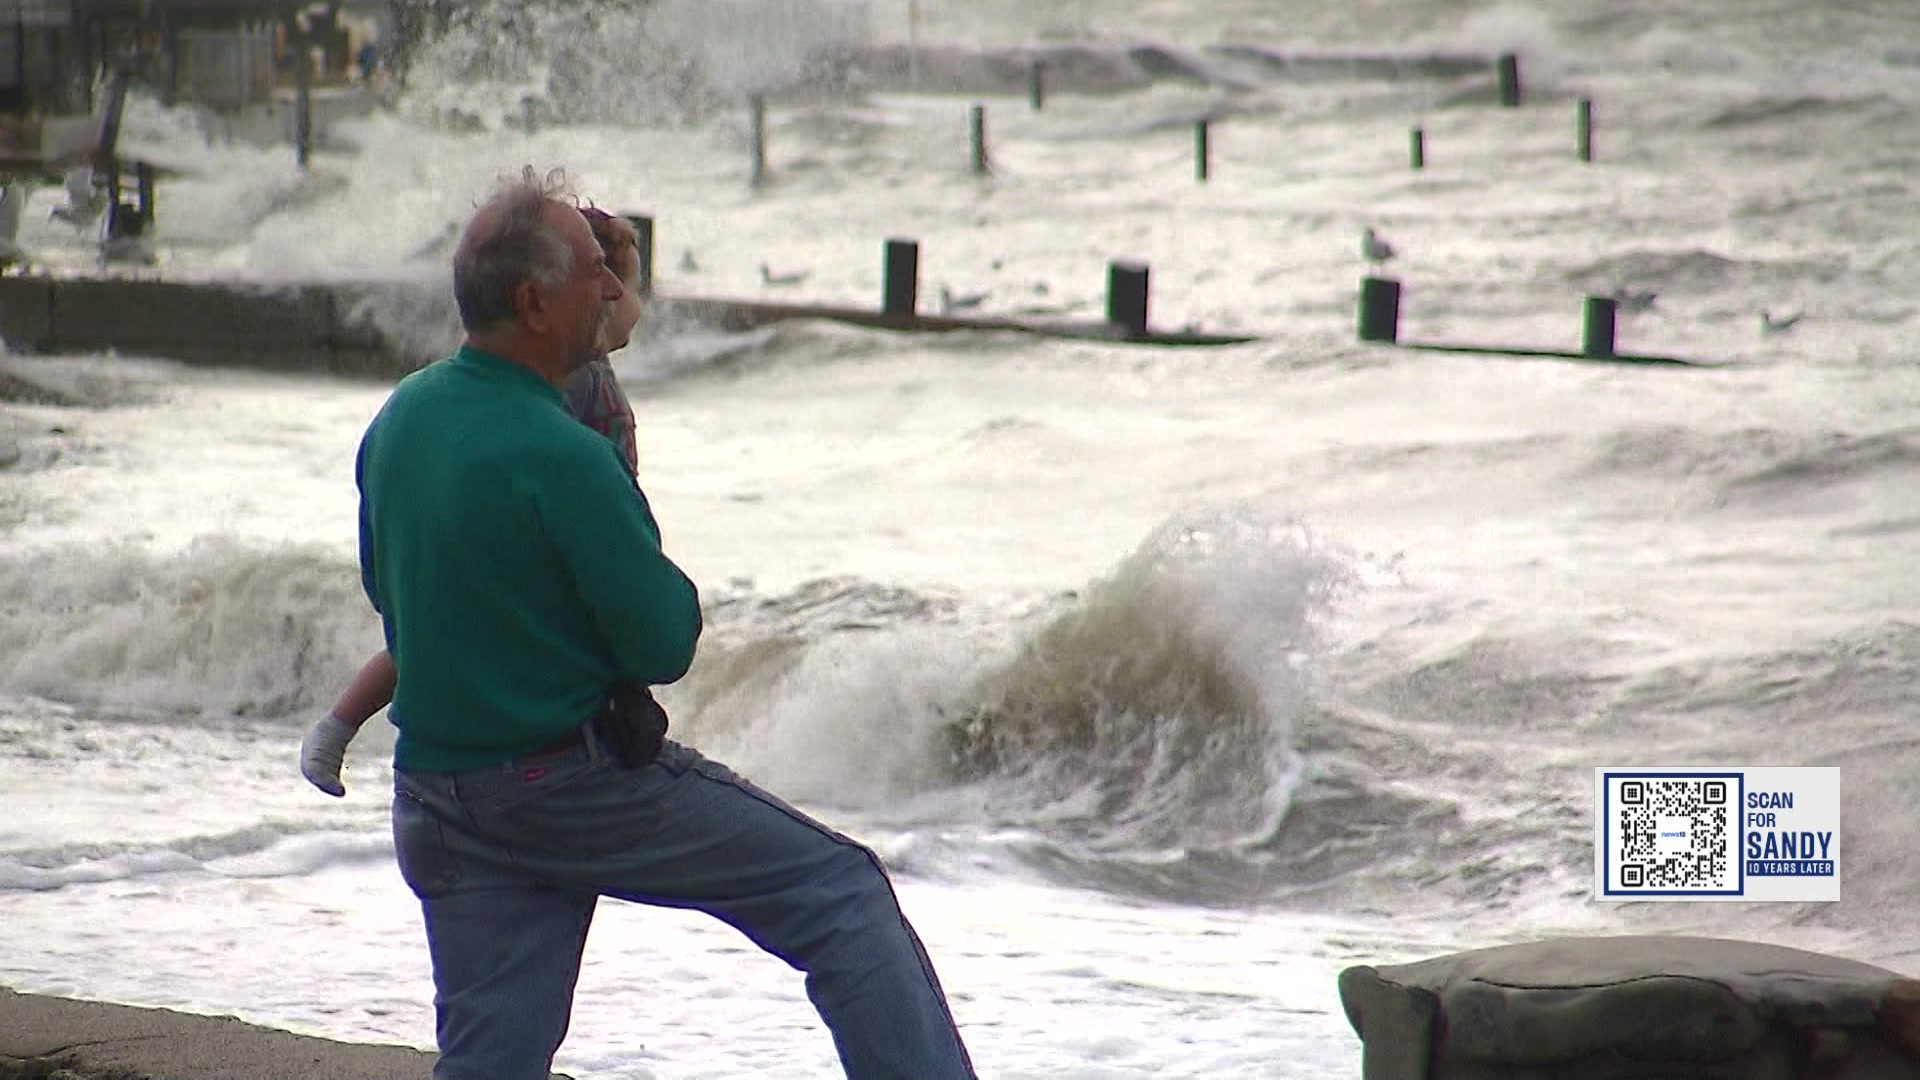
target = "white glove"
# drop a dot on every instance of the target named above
(323, 751)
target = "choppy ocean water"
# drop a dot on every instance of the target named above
(1169, 682)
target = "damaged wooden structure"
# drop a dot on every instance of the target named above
(66, 67)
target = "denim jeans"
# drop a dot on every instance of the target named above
(509, 861)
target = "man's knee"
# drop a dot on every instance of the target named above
(861, 890)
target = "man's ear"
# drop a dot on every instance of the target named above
(531, 303)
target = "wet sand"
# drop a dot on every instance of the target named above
(92, 1040)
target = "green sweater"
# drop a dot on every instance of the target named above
(515, 565)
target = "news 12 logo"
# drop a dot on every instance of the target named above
(1717, 833)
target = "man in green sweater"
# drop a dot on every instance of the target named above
(520, 580)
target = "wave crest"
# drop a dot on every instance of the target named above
(1157, 709)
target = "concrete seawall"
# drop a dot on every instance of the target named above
(380, 330)
(299, 327)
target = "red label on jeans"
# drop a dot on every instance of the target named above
(528, 776)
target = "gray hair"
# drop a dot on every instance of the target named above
(515, 246)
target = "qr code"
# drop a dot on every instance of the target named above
(1675, 833)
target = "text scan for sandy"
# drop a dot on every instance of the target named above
(1716, 833)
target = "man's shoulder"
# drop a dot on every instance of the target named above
(436, 373)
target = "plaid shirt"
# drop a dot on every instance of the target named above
(595, 399)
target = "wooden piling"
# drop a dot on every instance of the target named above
(1583, 128)
(302, 98)
(900, 278)
(170, 50)
(1202, 152)
(1417, 148)
(757, 137)
(643, 250)
(1596, 335)
(1127, 297)
(106, 144)
(1510, 80)
(1036, 90)
(1379, 310)
(143, 192)
(977, 139)
(913, 43)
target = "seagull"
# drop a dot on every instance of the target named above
(687, 265)
(768, 277)
(950, 301)
(1375, 247)
(1634, 301)
(1778, 324)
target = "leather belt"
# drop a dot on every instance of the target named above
(574, 739)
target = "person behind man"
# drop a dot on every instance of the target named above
(593, 396)
(519, 576)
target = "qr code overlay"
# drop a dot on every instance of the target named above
(1675, 833)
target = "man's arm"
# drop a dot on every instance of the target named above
(368, 582)
(648, 609)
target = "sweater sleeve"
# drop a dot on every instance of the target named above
(603, 530)
(368, 581)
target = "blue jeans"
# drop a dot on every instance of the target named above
(509, 861)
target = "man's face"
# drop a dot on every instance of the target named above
(573, 314)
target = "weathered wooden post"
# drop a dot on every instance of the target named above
(1596, 336)
(1418, 148)
(1510, 80)
(977, 140)
(170, 47)
(1036, 91)
(1379, 310)
(757, 136)
(143, 192)
(1583, 128)
(1127, 297)
(1202, 152)
(913, 43)
(900, 278)
(643, 250)
(303, 97)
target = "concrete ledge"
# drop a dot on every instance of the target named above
(1641, 359)
(737, 315)
(216, 323)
